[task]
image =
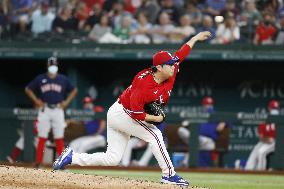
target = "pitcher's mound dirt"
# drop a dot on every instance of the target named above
(23, 178)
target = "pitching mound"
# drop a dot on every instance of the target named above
(23, 178)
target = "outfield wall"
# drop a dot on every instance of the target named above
(235, 84)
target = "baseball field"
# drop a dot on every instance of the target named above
(20, 177)
(204, 180)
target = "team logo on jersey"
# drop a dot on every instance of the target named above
(51, 87)
(44, 80)
(156, 92)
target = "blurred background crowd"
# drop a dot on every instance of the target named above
(142, 21)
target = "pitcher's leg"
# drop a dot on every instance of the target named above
(153, 136)
(117, 142)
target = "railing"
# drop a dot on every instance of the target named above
(91, 50)
(242, 134)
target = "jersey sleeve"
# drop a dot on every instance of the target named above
(183, 52)
(261, 129)
(69, 85)
(137, 101)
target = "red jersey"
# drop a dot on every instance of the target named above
(144, 89)
(267, 130)
(265, 32)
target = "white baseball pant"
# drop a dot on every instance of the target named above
(205, 143)
(120, 126)
(133, 144)
(51, 118)
(257, 158)
(85, 143)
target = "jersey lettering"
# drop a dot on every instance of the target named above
(161, 100)
(51, 87)
(143, 75)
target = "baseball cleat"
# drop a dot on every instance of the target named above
(64, 159)
(10, 160)
(174, 180)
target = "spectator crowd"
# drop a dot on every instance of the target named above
(143, 21)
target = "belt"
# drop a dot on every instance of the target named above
(52, 106)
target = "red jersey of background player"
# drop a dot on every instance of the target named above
(144, 89)
(266, 130)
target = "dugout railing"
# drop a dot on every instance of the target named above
(245, 119)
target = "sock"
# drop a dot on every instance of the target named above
(215, 158)
(15, 153)
(59, 143)
(40, 150)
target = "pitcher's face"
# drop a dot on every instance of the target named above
(168, 70)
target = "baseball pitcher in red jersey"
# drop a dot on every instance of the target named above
(126, 117)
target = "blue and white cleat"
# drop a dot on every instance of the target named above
(64, 159)
(177, 180)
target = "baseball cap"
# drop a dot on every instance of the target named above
(87, 99)
(52, 61)
(207, 101)
(273, 104)
(164, 57)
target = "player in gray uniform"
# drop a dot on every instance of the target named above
(51, 93)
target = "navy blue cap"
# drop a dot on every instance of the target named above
(52, 61)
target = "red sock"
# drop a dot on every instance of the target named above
(40, 150)
(59, 143)
(15, 153)
(214, 155)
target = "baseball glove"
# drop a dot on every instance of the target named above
(153, 108)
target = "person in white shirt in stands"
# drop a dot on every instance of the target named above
(100, 29)
(160, 32)
(140, 33)
(183, 31)
(42, 19)
(229, 31)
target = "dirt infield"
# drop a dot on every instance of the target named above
(23, 178)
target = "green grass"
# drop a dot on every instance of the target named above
(210, 180)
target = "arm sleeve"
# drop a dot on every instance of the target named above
(261, 128)
(183, 52)
(137, 105)
(69, 86)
